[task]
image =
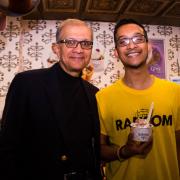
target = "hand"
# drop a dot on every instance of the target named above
(136, 148)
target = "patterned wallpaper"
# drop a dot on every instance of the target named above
(26, 44)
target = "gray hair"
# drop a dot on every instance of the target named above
(70, 22)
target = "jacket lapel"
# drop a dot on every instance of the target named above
(54, 94)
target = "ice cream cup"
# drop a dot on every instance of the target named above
(141, 132)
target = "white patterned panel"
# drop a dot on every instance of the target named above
(26, 44)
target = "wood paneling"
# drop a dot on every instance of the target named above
(162, 12)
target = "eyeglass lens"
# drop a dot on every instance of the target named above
(135, 39)
(74, 43)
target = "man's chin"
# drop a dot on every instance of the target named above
(77, 70)
(135, 66)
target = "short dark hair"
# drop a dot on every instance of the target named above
(122, 22)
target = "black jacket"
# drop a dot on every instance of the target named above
(31, 135)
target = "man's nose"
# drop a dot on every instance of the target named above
(131, 44)
(78, 47)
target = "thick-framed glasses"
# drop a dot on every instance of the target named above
(138, 39)
(71, 43)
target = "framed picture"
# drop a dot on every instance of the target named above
(156, 59)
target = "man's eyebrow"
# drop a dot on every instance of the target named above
(124, 36)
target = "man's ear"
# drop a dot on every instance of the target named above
(149, 53)
(116, 53)
(149, 46)
(55, 48)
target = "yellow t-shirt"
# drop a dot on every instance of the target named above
(120, 105)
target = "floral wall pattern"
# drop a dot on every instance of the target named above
(26, 44)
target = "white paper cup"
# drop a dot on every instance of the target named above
(141, 133)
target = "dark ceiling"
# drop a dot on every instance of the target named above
(155, 12)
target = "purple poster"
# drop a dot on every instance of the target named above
(156, 60)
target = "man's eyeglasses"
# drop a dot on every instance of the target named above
(138, 39)
(71, 43)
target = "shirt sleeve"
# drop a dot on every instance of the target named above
(100, 111)
(177, 127)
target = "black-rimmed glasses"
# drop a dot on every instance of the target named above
(124, 41)
(71, 43)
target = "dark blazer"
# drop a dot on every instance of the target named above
(31, 135)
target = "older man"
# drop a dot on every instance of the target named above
(50, 126)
